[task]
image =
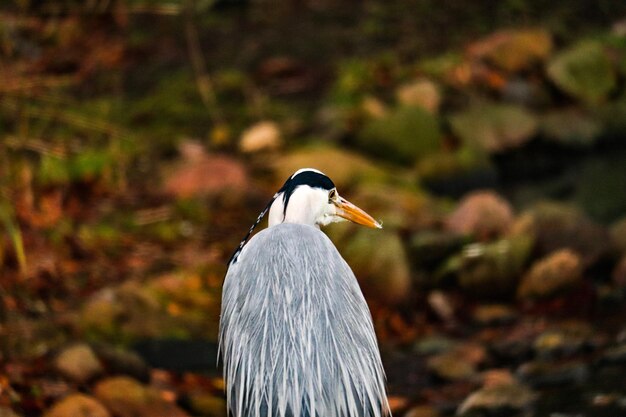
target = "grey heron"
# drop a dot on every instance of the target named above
(296, 335)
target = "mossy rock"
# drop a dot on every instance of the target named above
(428, 248)
(126, 397)
(556, 272)
(509, 399)
(601, 189)
(403, 136)
(449, 164)
(618, 234)
(404, 207)
(571, 127)
(584, 71)
(442, 67)
(74, 405)
(612, 117)
(422, 93)
(345, 168)
(557, 225)
(490, 269)
(169, 306)
(377, 258)
(454, 173)
(519, 50)
(494, 127)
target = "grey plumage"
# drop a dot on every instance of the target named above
(296, 335)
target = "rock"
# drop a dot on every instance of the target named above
(127, 305)
(374, 108)
(604, 400)
(454, 173)
(558, 226)
(101, 314)
(483, 214)
(523, 92)
(398, 207)
(220, 135)
(457, 364)
(498, 400)
(262, 136)
(540, 374)
(206, 404)
(608, 297)
(405, 135)
(120, 361)
(450, 367)
(182, 302)
(397, 403)
(428, 248)
(614, 355)
(619, 28)
(571, 127)
(600, 185)
(446, 398)
(442, 305)
(422, 411)
(512, 345)
(584, 71)
(618, 235)
(493, 314)
(126, 397)
(565, 340)
(514, 50)
(494, 127)
(354, 76)
(619, 273)
(497, 376)
(378, 259)
(452, 68)
(434, 344)
(344, 167)
(491, 269)
(612, 116)
(78, 363)
(77, 405)
(421, 93)
(169, 306)
(202, 174)
(558, 271)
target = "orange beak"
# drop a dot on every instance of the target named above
(349, 211)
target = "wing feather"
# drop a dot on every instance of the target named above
(296, 335)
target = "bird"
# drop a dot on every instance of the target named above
(296, 336)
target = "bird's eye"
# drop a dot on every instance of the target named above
(332, 195)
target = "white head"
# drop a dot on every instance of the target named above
(309, 197)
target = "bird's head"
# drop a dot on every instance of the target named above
(310, 197)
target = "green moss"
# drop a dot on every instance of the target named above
(584, 71)
(405, 135)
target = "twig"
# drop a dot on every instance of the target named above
(203, 79)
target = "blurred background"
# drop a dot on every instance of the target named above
(139, 140)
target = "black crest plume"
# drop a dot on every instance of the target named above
(233, 258)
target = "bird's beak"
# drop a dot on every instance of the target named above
(349, 211)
